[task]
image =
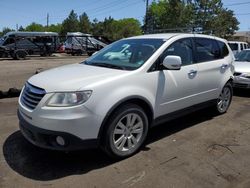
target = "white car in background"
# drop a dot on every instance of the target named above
(237, 46)
(242, 70)
(113, 103)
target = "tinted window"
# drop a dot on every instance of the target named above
(206, 50)
(9, 41)
(223, 49)
(182, 48)
(233, 46)
(241, 46)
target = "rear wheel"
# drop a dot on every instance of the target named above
(126, 132)
(20, 54)
(225, 98)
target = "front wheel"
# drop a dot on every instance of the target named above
(126, 132)
(225, 98)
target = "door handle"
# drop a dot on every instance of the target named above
(224, 66)
(192, 73)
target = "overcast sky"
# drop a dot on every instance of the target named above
(23, 12)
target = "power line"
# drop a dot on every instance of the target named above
(236, 4)
(243, 14)
(115, 10)
(105, 6)
(102, 10)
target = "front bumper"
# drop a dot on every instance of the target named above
(241, 82)
(47, 138)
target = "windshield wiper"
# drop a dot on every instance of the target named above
(107, 65)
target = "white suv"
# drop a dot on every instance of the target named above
(112, 102)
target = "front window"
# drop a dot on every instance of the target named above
(128, 54)
(243, 56)
(1, 41)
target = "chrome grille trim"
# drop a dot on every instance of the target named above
(31, 96)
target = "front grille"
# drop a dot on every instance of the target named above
(237, 73)
(240, 85)
(32, 95)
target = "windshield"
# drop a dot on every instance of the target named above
(243, 56)
(233, 46)
(1, 41)
(128, 54)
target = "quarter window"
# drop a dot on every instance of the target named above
(206, 50)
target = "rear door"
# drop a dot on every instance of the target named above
(211, 66)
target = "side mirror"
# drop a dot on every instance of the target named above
(172, 62)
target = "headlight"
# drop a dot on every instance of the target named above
(68, 98)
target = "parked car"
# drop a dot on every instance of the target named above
(78, 43)
(112, 103)
(242, 70)
(237, 46)
(20, 44)
(3, 52)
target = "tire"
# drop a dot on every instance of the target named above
(123, 139)
(224, 100)
(20, 55)
(79, 52)
(90, 53)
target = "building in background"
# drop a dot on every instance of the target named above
(243, 36)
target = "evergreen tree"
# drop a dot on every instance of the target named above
(70, 24)
(84, 23)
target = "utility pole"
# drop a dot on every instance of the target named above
(146, 17)
(16, 27)
(47, 20)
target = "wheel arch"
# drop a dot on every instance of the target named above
(138, 100)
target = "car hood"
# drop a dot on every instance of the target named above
(242, 66)
(74, 77)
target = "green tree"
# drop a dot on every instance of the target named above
(212, 17)
(97, 28)
(21, 28)
(208, 15)
(224, 24)
(55, 28)
(84, 23)
(126, 28)
(70, 24)
(6, 30)
(35, 27)
(169, 14)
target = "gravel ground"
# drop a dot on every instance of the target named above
(14, 73)
(197, 150)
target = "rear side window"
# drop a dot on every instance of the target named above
(241, 46)
(206, 50)
(223, 49)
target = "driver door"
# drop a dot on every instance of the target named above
(177, 89)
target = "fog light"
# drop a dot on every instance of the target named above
(60, 141)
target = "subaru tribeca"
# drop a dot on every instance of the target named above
(112, 101)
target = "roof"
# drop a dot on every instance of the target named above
(236, 42)
(20, 33)
(78, 34)
(155, 36)
(167, 36)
